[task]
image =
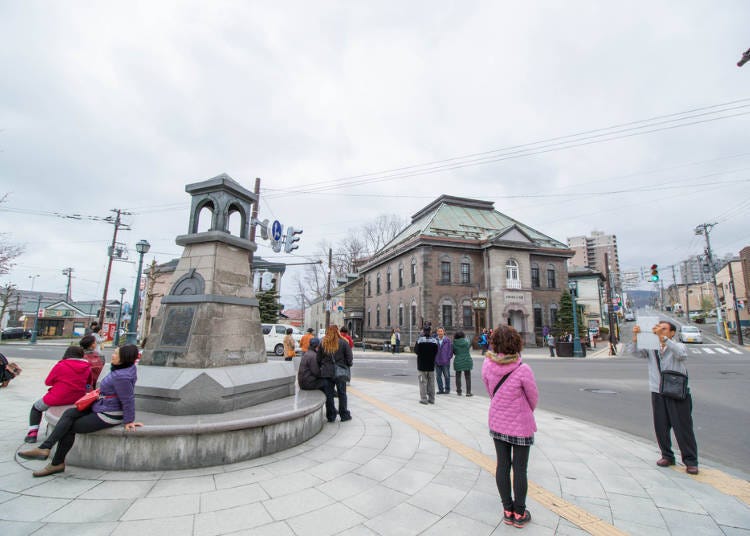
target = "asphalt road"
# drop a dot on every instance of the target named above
(609, 392)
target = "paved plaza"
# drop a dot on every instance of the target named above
(398, 468)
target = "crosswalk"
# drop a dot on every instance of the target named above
(718, 349)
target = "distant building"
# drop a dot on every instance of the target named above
(692, 270)
(590, 295)
(347, 307)
(727, 297)
(462, 265)
(589, 252)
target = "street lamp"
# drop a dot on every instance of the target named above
(119, 317)
(142, 248)
(36, 319)
(33, 278)
(577, 350)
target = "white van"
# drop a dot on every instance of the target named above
(273, 335)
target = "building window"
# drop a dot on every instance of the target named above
(447, 316)
(465, 273)
(551, 281)
(511, 274)
(468, 316)
(445, 272)
(401, 315)
(535, 276)
(413, 271)
(413, 314)
(377, 284)
(369, 288)
(369, 318)
(377, 316)
(388, 280)
(388, 316)
(400, 277)
(553, 315)
(538, 317)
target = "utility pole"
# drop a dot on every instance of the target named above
(328, 289)
(737, 324)
(676, 291)
(117, 222)
(705, 229)
(69, 272)
(610, 300)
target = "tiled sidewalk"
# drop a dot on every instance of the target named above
(397, 468)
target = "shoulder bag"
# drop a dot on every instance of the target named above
(502, 381)
(673, 384)
(341, 372)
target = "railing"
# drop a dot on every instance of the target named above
(513, 283)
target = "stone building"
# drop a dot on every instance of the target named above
(463, 265)
(347, 307)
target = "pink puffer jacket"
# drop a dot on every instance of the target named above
(512, 407)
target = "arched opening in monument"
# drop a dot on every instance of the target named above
(236, 222)
(204, 221)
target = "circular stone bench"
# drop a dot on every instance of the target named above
(168, 442)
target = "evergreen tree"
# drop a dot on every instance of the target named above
(565, 316)
(268, 303)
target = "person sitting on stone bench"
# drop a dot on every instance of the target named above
(8, 371)
(308, 375)
(116, 405)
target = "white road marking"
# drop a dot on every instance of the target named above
(735, 350)
(695, 350)
(708, 351)
(722, 350)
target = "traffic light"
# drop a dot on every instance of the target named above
(654, 273)
(292, 237)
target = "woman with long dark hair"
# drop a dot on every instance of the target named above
(116, 405)
(513, 397)
(334, 350)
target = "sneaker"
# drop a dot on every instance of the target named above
(519, 521)
(50, 470)
(31, 437)
(458, 393)
(469, 394)
(508, 517)
(34, 454)
(692, 470)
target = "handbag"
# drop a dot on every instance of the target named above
(673, 384)
(87, 400)
(502, 381)
(341, 372)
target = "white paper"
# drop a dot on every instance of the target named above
(646, 339)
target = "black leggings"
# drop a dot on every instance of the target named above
(520, 460)
(72, 422)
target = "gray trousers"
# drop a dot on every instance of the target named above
(427, 386)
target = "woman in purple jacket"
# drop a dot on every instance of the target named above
(511, 419)
(116, 405)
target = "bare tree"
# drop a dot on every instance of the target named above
(7, 293)
(8, 250)
(381, 230)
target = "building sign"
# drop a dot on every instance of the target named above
(514, 298)
(479, 303)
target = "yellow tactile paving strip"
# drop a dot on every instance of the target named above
(723, 482)
(576, 515)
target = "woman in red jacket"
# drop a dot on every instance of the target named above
(67, 383)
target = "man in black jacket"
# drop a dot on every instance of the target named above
(426, 350)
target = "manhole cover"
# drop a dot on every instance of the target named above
(728, 372)
(400, 374)
(600, 391)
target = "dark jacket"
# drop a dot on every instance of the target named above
(308, 375)
(463, 359)
(118, 392)
(426, 350)
(343, 356)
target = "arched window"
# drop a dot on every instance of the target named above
(553, 315)
(535, 275)
(388, 280)
(377, 284)
(205, 218)
(377, 316)
(511, 274)
(369, 317)
(400, 314)
(401, 275)
(445, 269)
(466, 271)
(414, 271)
(388, 315)
(369, 287)
(446, 313)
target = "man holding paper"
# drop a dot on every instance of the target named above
(666, 354)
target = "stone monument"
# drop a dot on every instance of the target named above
(206, 392)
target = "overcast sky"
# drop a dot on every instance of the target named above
(118, 105)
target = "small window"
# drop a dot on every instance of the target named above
(553, 315)
(447, 316)
(369, 287)
(465, 273)
(400, 315)
(377, 316)
(400, 277)
(388, 281)
(445, 272)
(266, 329)
(388, 316)
(413, 272)
(468, 316)
(413, 314)
(538, 316)
(369, 318)
(377, 284)
(551, 280)
(535, 276)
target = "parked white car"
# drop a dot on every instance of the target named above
(690, 334)
(274, 334)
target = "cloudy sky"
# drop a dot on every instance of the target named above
(109, 105)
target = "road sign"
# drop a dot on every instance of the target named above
(40, 313)
(276, 229)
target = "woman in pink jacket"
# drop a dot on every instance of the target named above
(513, 397)
(67, 383)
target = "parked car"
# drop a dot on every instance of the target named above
(15, 333)
(274, 334)
(630, 316)
(690, 334)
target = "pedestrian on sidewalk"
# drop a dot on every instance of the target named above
(551, 344)
(95, 360)
(513, 398)
(67, 383)
(426, 349)
(462, 362)
(334, 350)
(289, 345)
(395, 341)
(304, 342)
(669, 413)
(115, 406)
(483, 341)
(345, 335)
(443, 362)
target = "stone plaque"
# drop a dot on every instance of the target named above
(514, 298)
(176, 331)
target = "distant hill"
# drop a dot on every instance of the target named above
(642, 298)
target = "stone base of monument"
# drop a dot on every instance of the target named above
(169, 442)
